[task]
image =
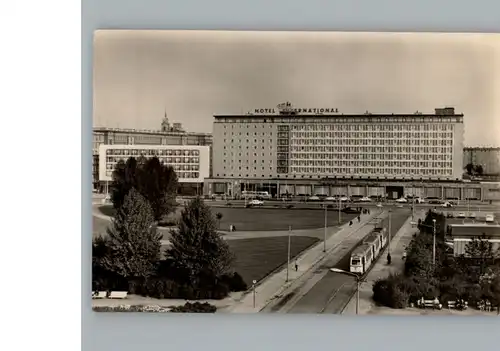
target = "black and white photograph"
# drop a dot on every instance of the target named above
(344, 173)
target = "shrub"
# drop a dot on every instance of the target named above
(194, 308)
(234, 282)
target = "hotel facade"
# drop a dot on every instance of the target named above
(303, 151)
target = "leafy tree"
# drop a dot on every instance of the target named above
(481, 250)
(124, 178)
(196, 249)
(418, 262)
(479, 170)
(495, 291)
(219, 216)
(133, 246)
(155, 181)
(469, 168)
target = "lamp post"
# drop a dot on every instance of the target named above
(434, 243)
(358, 283)
(389, 234)
(253, 288)
(340, 218)
(324, 234)
(288, 256)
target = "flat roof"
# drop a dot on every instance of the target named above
(337, 115)
(469, 230)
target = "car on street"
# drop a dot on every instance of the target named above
(344, 198)
(447, 204)
(313, 198)
(419, 200)
(330, 198)
(402, 200)
(435, 202)
(461, 215)
(490, 218)
(256, 202)
(379, 205)
(365, 199)
(472, 215)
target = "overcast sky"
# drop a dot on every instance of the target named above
(138, 75)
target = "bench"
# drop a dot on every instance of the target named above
(99, 295)
(430, 304)
(458, 305)
(118, 295)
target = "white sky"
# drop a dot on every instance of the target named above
(195, 74)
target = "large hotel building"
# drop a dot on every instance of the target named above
(304, 151)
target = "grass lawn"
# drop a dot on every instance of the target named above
(257, 258)
(259, 219)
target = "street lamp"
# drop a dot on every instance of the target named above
(340, 218)
(434, 242)
(324, 234)
(358, 283)
(253, 288)
(288, 257)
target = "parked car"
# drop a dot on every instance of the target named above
(256, 203)
(490, 218)
(419, 200)
(313, 198)
(472, 215)
(461, 215)
(365, 199)
(330, 198)
(344, 198)
(447, 204)
(402, 200)
(379, 205)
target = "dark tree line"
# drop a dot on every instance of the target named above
(473, 276)
(472, 169)
(196, 265)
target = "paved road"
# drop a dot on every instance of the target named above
(332, 292)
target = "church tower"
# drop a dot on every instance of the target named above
(165, 125)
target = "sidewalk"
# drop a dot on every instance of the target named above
(382, 270)
(275, 284)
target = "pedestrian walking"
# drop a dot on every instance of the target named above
(296, 267)
(350, 223)
(359, 219)
(389, 258)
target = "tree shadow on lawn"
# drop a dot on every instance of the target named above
(257, 258)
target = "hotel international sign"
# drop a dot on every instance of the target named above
(287, 107)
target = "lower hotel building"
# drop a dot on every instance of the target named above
(190, 162)
(317, 151)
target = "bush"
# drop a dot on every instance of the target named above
(194, 308)
(235, 282)
(397, 291)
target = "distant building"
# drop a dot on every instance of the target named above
(487, 157)
(462, 234)
(167, 135)
(190, 162)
